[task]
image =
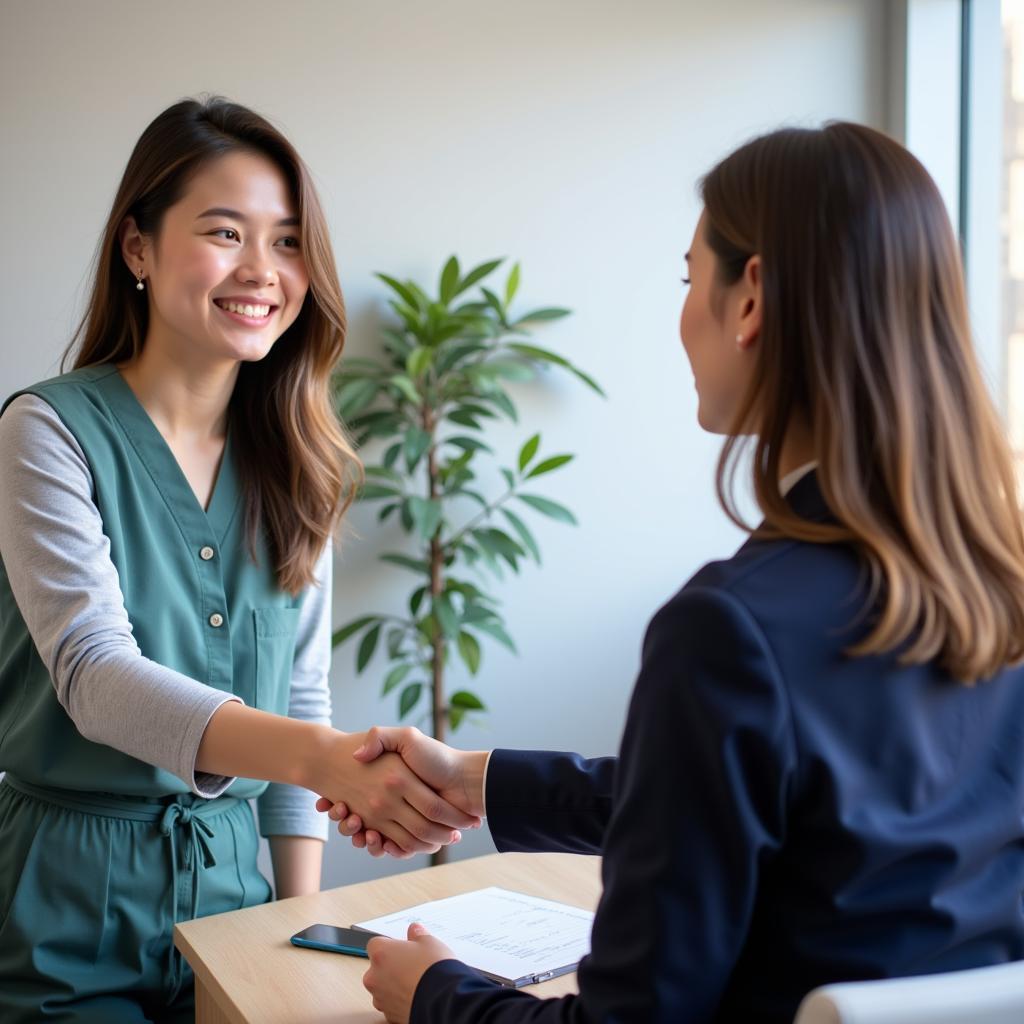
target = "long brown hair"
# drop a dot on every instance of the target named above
(865, 336)
(297, 469)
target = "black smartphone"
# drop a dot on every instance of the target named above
(334, 940)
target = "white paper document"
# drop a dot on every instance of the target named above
(513, 938)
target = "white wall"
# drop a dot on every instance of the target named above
(566, 135)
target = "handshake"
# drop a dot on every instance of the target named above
(404, 792)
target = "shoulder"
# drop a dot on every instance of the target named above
(67, 389)
(31, 424)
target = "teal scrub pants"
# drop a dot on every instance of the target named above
(91, 886)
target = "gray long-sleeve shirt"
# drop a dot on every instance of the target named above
(57, 559)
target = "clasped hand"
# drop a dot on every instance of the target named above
(390, 796)
(456, 779)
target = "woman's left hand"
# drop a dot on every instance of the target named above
(396, 968)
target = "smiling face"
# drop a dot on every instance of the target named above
(224, 274)
(719, 326)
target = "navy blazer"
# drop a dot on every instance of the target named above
(782, 815)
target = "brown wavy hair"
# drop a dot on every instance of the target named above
(297, 468)
(866, 337)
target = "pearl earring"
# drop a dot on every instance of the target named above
(140, 287)
(739, 341)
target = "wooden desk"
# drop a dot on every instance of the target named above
(247, 970)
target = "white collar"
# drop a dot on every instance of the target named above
(791, 479)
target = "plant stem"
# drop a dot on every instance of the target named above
(482, 516)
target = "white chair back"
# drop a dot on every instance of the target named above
(985, 995)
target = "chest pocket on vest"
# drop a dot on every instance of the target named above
(275, 651)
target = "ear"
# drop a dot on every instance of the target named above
(135, 247)
(748, 324)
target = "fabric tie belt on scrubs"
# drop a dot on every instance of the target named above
(182, 817)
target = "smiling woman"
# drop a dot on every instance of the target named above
(165, 583)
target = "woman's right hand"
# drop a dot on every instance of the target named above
(456, 775)
(386, 794)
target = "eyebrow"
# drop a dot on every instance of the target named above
(223, 211)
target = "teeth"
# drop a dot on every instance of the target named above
(257, 312)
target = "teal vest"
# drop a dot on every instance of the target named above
(221, 619)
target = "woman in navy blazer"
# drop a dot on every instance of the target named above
(822, 771)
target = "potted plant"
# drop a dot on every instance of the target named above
(427, 401)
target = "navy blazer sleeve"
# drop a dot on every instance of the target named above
(699, 812)
(548, 802)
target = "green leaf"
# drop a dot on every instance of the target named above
(386, 512)
(449, 280)
(410, 317)
(366, 648)
(397, 345)
(426, 514)
(454, 354)
(475, 495)
(504, 403)
(405, 562)
(555, 462)
(509, 478)
(394, 677)
(548, 508)
(355, 396)
(455, 717)
(542, 354)
(406, 386)
(506, 546)
(427, 627)
(495, 303)
(447, 331)
(403, 291)
(341, 635)
(589, 381)
(416, 599)
(421, 296)
(512, 284)
(371, 492)
(477, 410)
(488, 553)
(508, 369)
(419, 360)
(498, 632)
(477, 274)
(464, 419)
(416, 443)
(527, 452)
(444, 612)
(391, 455)
(495, 543)
(409, 699)
(395, 637)
(467, 444)
(467, 700)
(469, 648)
(476, 613)
(542, 314)
(383, 471)
(524, 534)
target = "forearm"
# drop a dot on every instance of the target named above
(549, 801)
(257, 745)
(297, 861)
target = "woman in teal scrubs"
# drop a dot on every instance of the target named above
(165, 527)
